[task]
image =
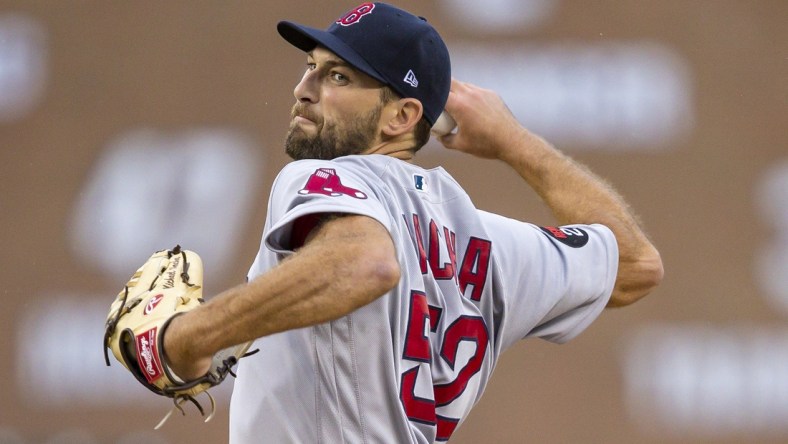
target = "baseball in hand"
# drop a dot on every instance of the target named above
(444, 125)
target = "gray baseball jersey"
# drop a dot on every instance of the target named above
(408, 367)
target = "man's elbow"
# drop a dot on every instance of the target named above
(388, 274)
(640, 279)
(379, 270)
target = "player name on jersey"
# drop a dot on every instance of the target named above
(474, 265)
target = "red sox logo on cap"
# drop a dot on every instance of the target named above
(354, 15)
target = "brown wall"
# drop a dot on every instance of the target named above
(114, 67)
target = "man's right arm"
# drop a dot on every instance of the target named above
(488, 129)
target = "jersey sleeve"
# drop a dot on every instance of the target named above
(555, 280)
(311, 187)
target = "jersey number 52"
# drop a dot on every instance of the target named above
(418, 348)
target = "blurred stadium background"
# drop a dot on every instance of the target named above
(129, 126)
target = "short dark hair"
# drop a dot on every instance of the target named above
(423, 127)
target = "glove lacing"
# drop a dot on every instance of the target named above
(179, 399)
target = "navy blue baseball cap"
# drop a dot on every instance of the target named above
(389, 44)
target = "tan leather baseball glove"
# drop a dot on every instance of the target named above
(168, 284)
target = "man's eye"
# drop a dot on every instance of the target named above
(310, 66)
(338, 77)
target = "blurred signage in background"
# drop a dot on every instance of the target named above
(153, 189)
(613, 96)
(714, 380)
(771, 261)
(499, 16)
(704, 380)
(23, 65)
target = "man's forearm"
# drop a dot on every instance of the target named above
(576, 195)
(570, 190)
(349, 262)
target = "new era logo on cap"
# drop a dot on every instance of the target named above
(411, 79)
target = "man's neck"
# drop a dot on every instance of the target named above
(400, 149)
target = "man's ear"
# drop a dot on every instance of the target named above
(401, 116)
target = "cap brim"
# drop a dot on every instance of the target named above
(306, 39)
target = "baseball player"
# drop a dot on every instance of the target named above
(381, 298)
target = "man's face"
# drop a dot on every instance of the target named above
(337, 110)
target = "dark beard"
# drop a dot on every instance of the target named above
(332, 142)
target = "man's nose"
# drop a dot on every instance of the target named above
(307, 89)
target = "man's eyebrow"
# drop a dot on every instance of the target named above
(333, 61)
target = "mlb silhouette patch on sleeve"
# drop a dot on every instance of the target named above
(326, 181)
(419, 182)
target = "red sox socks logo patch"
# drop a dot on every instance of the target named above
(354, 15)
(325, 181)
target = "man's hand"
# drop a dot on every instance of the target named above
(181, 356)
(486, 127)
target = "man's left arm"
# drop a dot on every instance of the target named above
(346, 262)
